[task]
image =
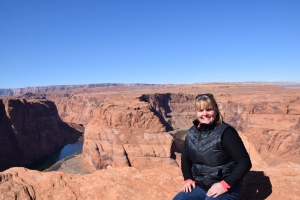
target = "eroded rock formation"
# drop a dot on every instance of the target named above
(30, 129)
(134, 128)
(262, 182)
(67, 88)
(127, 133)
(116, 183)
(271, 122)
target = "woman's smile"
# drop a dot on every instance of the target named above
(206, 116)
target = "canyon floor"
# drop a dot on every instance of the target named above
(133, 137)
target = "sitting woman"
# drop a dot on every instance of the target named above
(214, 159)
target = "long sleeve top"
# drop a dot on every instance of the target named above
(233, 144)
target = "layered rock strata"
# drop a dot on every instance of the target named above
(270, 122)
(127, 133)
(262, 182)
(115, 183)
(266, 114)
(66, 88)
(132, 128)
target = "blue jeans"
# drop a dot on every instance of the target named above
(199, 194)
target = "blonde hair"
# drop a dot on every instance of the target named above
(207, 101)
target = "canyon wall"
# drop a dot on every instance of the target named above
(135, 128)
(78, 109)
(271, 122)
(268, 115)
(66, 88)
(126, 132)
(29, 130)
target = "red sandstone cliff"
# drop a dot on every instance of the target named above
(268, 115)
(126, 132)
(130, 128)
(270, 120)
(30, 129)
(69, 88)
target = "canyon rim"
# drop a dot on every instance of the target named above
(133, 136)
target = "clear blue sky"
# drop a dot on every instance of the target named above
(70, 42)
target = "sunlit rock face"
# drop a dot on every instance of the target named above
(30, 129)
(264, 182)
(77, 109)
(268, 115)
(134, 138)
(115, 183)
(69, 88)
(127, 133)
(271, 123)
(271, 120)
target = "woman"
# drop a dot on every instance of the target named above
(214, 159)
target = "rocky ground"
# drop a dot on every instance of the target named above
(133, 139)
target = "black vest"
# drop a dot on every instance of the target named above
(211, 162)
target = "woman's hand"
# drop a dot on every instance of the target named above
(188, 185)
(216, 190)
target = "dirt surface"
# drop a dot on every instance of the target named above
(73, 164)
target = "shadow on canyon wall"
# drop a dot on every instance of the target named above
(30, 130)
(160, 107)
(7, 143)
(176, 111)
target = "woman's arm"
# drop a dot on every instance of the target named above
(186, 168)
(186, 163)
(235, 147)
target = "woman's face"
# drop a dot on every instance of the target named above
(206, 116)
